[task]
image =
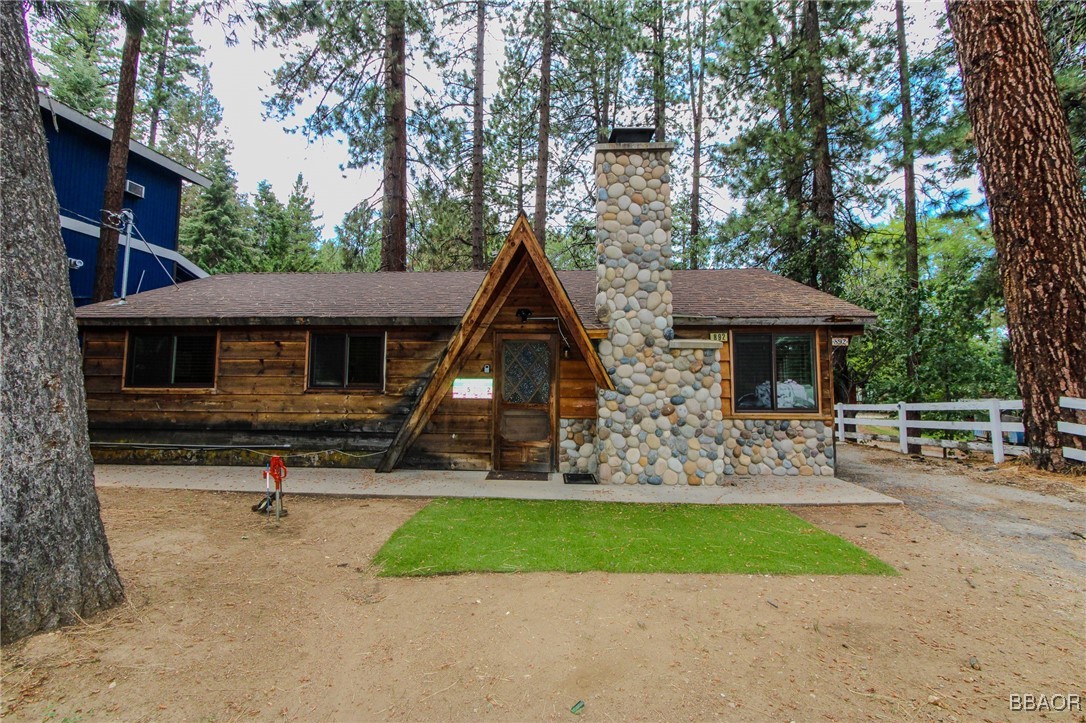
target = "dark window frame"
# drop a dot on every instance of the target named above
(129, 381)
(773, 408)
(347, 335)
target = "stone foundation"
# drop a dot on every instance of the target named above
(778, 447)
(577, 445)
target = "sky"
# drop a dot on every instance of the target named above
(264, 150)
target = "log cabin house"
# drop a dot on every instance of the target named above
(633, 372)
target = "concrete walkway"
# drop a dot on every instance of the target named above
(761, 490)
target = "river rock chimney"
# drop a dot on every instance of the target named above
(662, 424)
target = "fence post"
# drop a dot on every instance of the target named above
(995, 415)
(840, 422)
(902, 428)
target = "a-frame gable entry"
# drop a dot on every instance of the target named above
(520, 252)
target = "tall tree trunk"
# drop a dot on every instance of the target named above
(696, 86)
(822, 187)
(478, 238)
(394, 216)
(539, 224)
(55, 564)
(105, 272)
(790, 104)
(1037, 208)
(160, 75)
(912, 266)
(659, 78)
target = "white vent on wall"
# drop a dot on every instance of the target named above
(134, 189)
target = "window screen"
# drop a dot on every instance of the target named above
(754, 371)
(326, 360)
(775, 372)
(157, 359)
(365, 360)
(795, 372)
(346, 360)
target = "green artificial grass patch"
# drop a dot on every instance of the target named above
(493, 535)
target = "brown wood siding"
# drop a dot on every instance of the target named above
(260, 386)
(462, 429)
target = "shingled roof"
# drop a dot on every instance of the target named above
(712, 296)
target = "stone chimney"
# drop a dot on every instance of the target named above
(663, 424)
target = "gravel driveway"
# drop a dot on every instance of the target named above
(1028, 529)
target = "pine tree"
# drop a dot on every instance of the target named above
(55, 564)
(546, 60)
(1036, 202)
(105, 271)
(190, 134)
(1065, 32)
(800, 192)
(358, 239)
(286, 235)
(170, 59)
(80, 64)
(214, 235)
(352, 57)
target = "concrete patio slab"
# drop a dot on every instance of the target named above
(759, 490)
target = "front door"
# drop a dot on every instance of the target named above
(524, 403)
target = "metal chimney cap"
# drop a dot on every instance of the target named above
(632, 135)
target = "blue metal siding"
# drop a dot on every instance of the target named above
(144, 272)
(78, 160)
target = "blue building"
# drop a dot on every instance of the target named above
(78, 157)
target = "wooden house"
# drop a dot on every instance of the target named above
(693, 377)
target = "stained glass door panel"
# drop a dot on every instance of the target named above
(526, 366)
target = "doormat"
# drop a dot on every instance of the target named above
(580, 478)
(529, 476)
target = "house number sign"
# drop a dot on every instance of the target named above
(840, 341)
(718, 336)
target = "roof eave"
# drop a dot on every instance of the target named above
(128, 321)
(71, 114)
(683, 320)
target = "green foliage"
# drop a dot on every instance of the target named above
(190, 133)
(766, 65)
(358, 240)
(169, 65)
(214, 235)
(333, 53)
(1065, 30)
(573, 247)
(82, 61)
(513, 122)
(82, 57)
(287, 236)
(962, 346)
(439, 229)
(465, 535)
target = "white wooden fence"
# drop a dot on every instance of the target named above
(896, 415)
(1072, 428)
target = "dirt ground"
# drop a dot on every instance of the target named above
(233, 618)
